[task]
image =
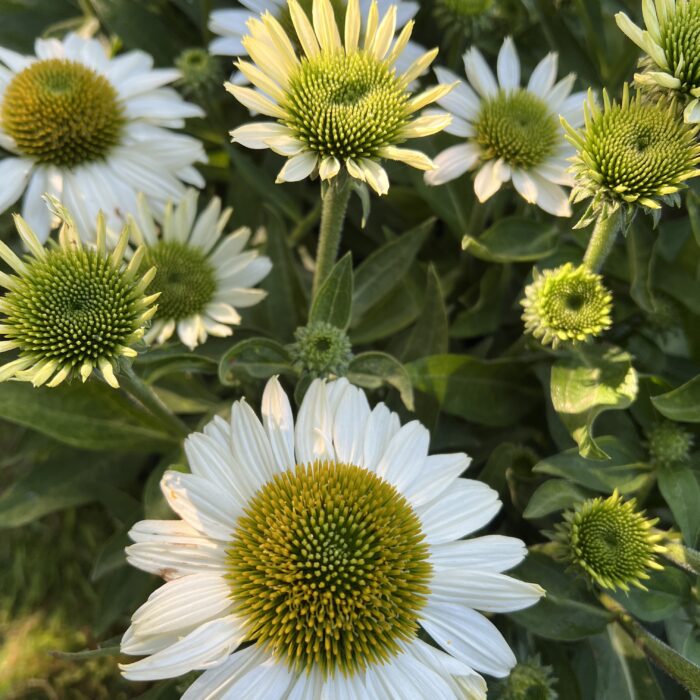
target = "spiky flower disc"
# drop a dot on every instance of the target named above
(337, 579)
(342, 106)
(321, 349)
(566, 304)
(610, 541)
(631, 153)
(672, 44)
(71, 309)
(669, 443)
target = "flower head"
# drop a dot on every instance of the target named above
(321, 349)
(529, 680)
(200, 71)
(92, 131)
(202, 278)
(71, 309)
(669, 443)
(511, 132)
(566, 304)
(324, 544)
(632, 153)
(610, 541)
(342, 106)
(672, 44)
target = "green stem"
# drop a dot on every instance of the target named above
(602, 241)
(139, 390)
(335, 205)
(667, 659)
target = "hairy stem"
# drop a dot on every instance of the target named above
(602, 241)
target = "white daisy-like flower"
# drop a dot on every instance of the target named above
(672, 43)
(202, 278)
(342, 106)
(308, 554)
(92, 131)
(512, 133)
(231, 25)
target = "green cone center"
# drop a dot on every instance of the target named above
(62, 113)
(329, 568)
(639, 150)
(518, 127)
(680, 38)
(73, 306)
(184, 277)
(346, 106)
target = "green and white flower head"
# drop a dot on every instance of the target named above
(529, 680)
(611, 542)
(200, 72)
(71, 309)
(510, 132)
(630, 154)
(342, 106)
(321, 350)
(566, 305)
(669, 443)
(91, 130)
(672, 44)
(309, 552)
(202, 276)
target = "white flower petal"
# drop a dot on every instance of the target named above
(544, 75)
(270, 679)
(437, 474)
(298, 167)
(461, 100)
(279, 423)
(488, 553)
(382, 425)
(14, 175)
(479, 73)
(508, 67)
(452, 163)
(350, 421)
(405, 455)
(489, 179)
(314, 428)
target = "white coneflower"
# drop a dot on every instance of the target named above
(202, 279)
(672, 42)
(309, 553)
(231, 25)
(511, 132)
(342, 106)
(70, 309)
(92, 131)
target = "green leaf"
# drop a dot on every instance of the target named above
(552, 496)
(70, 478)
(258, 358)
(680, 488)
(640, 247)
(625, 470)
(487, 392)
(601, 379)
(384, 269)
(568, 612)
(681, 404)
(513, 240)
(372, 370)
(667, 590)
(622, 669)
(92, 416)
(333, 303)
(429, 334)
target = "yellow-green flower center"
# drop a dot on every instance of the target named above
(184, 277)
(639, 150)
(62, 112)
(329, 568)
(518, 127)
(74, 306)
(680, 39)
(347, 106)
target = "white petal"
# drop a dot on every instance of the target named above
(495, 553)
(382, 425)
(490, 178)
(250, 444)
(461, 100)
(14, 174)
(298, 167)
(255, 135)
(200, 503)
(205, 647)
(550, 197)
(479, 73)
(468, 636)
(543, 76)
(314, 427)
(279, 423)
(349, 426)
(405, 455)
(468, 506)
(437, 474)
(453, 162)
(508, 67)
(271, 679)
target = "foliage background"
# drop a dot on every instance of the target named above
(80, 464)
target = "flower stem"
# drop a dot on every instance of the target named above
(667, 659)
(335, 205)
(144, 394)
(602, 241)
